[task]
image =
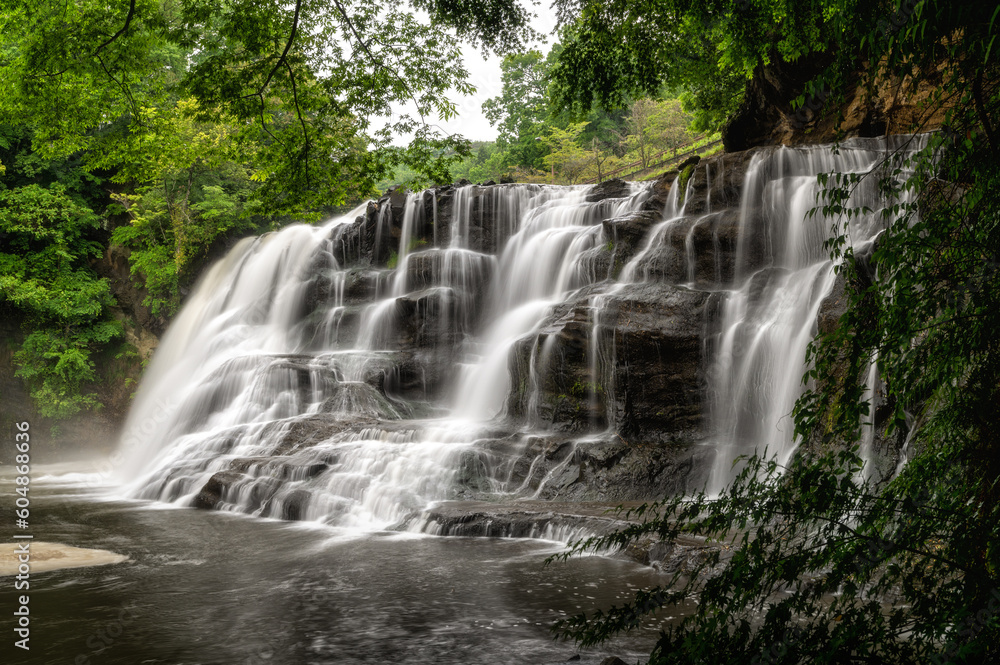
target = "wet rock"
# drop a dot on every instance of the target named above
(559, 381)
(833, 307)
(466, 271)
(627, 236)
(213, 491)
(658, 387)
(609, 189)
(294, 505)
(519, 519)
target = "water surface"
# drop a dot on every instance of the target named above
(213, 588)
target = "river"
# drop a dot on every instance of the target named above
(203, 588)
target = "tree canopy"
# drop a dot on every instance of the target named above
(316, 89)
(707, 49)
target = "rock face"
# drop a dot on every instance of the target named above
(766, 116)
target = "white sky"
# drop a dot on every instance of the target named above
(484, 74)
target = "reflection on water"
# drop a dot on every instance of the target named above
(209, 588)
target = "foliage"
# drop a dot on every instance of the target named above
(655, 126)
(194, 187)
(306, 82)
(530, 127)
(617, 49)
(44, 274)
(565, 152)
(487, 161)
(521, 112)
(812, 563)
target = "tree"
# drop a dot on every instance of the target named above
(487, 162)
(565, 153)
(620, 49)
(655, 126)
(602, 158)
(44, 273)
(194, 185)
(305, 81)
(815, 564)
(521, 111)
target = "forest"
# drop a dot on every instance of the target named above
(166, 130)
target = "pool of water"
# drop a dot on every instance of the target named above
(212, 588)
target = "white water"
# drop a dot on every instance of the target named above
(770, 316)
(241, 366)
(282, 373)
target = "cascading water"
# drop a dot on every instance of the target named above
(263, 351)
(512, 339)
(771, 315)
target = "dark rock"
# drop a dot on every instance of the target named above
(568, 391)
(658, 389)
(214, 490)
(833, 306)
(613, 660)
(628, 234)
(131, 297)
(293, 505)
(766, 107)
(690, 161)
(609, 189)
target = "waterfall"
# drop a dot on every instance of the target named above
(476, 342)
(263, 351)
(770, 314)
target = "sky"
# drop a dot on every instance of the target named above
(484, 74)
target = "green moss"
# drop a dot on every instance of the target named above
(682, 182)
(586, 388)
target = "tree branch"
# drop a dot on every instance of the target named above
(284, 54)
(122, 31)
(376, 61)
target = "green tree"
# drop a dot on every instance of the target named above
(620, 49)
(566, 155)
(44, 273)
(814, 564)
(306, 82)
(521, 112)
(487, 162)
(655, 126)
(602, 158)
(191, 187)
